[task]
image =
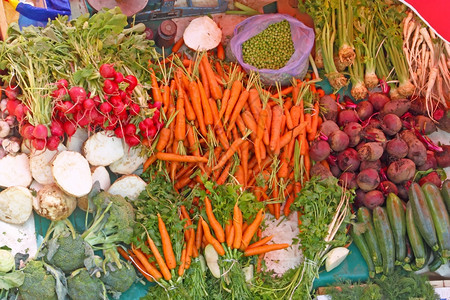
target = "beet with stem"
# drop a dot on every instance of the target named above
(364, 110)
(348, 180)
(328, 108)
(319, 150)
(328, 127)
(391, 124)
(346, 116)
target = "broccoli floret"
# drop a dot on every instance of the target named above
(83, 286)
(112, 224)
(119, 279)
(38, 283)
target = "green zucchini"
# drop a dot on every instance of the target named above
(360, 242)
(409, 252)
(437, 262)
(440, 217)
(365, 217)
(445, 191)
(396, 215)
(422, 216)
(414, 237)
(385, 238)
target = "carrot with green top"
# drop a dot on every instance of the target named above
(264, 249)
(182, 262)
(143, 262)
(235, 92)
(251, 230)
(194, 95)
(261, 242)
(212, 240)
(213, 223)
(237, 225)
(156, 91)
(169, 255)
(230, 237)
(229, 153)
(216, 90)
(199, 235)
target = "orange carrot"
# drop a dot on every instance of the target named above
(243, 97)
(220, 52)
(230, 238)
(237, 225)
(180, 158)
(307, 164)
(224, 102)
(214, 112)
(207, 113)
(229, 153)
(210, 239)
(182, 182)
(159, 259)
(239, 175)
(251, 230)
(199, 235)
(222, 136)
(145, 263)
(190, 248)
(194, 95)
(166, 244)
(254, 102)
(225, 173)
(215, 225)
(165, 89)
(164, 136)
(287, 205)
(244, 227)
(241, 125)
(292, 134)
(177, 45)
(180, 125)
(149, 162)
(250, 123)
(219, 69)
(244, 160)
(266, 137)
(204, 79)
(228, 226)
(156, 91)
(236, 88)
(283, 92)
(182, 262)
(259, 263)
(193, 144)
(123, 253)
(261, 242)
(314, 122)
(216, 90)
(275, 128)
(289, 121)
(264, 249)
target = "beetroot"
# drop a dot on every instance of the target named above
(397, 148)
(375, 165)
(348, 180)
(378, 100)
(401, 170)
(328, 127)
(430, 163)
(424, 125)
(397, 107)
(432, 177)
(387, 187)
(348, 160)
(374, 135)
(368, 180)
(370, 151)
(391, 124)
(346, 116)
(442, 116)
(443, 158)
(335, 170)
(364, 110)
(353, 130)
(319, 150)
(373, 199)
(402, 191)
(328, 108)
(338, 140)
(320, 171)
(417, 151)
(359, 198)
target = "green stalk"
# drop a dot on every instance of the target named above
(345, 32)
(359, 90)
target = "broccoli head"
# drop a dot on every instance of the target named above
(83, 286)
(119, 279)
(38, 283)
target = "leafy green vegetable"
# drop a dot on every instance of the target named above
(83, 286)
(38, 282)
(11, 280)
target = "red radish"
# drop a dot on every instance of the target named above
(77, 94)
(88, 104)
(157, 105)
(115, 100)
(152, 132)
(11, 106)
(130, 129)
(119, 108)
(110, 87)
(77, 107)
(105, 107)
(96, 99)
(127, 100)
(19, 112)
(38, 144)
(132, 82)
(119, 132)
(53, 143)
(66, 107)
(40, 131)
(27, 131)
(81, 119)
(158, 125)
(11, 92)
(123, 116)
(59, 93)
(156, 115)
(107, 71)
(56, 128)
(132, 140)
(142, 126)
(94, 115)
(148, 122)
(62, 83)
(118, 77)
(134, 109)
(69, 128)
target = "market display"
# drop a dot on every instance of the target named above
(175, 171)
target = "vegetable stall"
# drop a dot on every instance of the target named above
(249, 166)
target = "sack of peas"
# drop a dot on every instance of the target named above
(276, 45)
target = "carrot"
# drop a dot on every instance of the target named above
(261, 242)
(182, 262)
(207, 112)
(164, 136)
(214, 112)
(194, 95)
(180, 158)
(254, 102)
(277, 114)
(244, 160)
(314, 122)
(236, 88)
(251, 230)
(180, 125)
(159, 259)
(241, 125)
(225, 173)
(230, 238)
(216, 90)
(295, 115)
(243, 97)
(244, 227)
(284, 164)
(308, 122)
(250, 123)
(178, 44)
(237, 225)
(199, 235)
(149, 162)
(193, 144)
(228, 226)
(146, 264)
(166, 96)
(259, 263)
(204, 79)
(190, 248)
(182, 182)
(307, 164)
(277, 205)
(266, 137)
(224, 102)
(292, 134)
(156, 91)
(264, 249)
(239, 175)
(215, 225)
(222, 137)
(283, 92)
(123, 253)
(219, 69)
(289, 121)
(287, 205)
(166, 244)
(229, 153)
(210, 239)
(220, 52)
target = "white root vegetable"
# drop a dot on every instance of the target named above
(335, 257)
(52, 203)
(25, 146)
(101, 175)
(41, 165)
(129, 162)
(128, 186)
(212, 258)
(76, 141)
(4, 129)
(202, 34)
(15, 170)
(72, 173)
(15, 205)
(11, 145)
(103, 148)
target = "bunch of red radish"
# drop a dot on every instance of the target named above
(75, 108)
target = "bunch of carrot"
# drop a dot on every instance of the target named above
(223, 125)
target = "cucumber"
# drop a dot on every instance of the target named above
(414, 237)
(445, 191)
(422, 216)
(440, 217)
(396, 215)
(364, 249)
(365, 217)
(385, 238)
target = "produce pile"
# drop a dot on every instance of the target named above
(203, 152)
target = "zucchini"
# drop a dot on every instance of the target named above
(414, 237)
(445, 191)
(440, 217)
(385, 238)
(409, 252)
(422, 216)
(427, 260)
(365, 217)
(365, 252)
(437, 262)
(396, 214)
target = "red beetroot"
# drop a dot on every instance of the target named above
(77, 94)
(364, 110)
(328, 127)
(387, 187)
(376, 165)
(338, 140)
(346, 116)
(107, 71)
(430, 163)
(370, 151)
(359, 198)
(443, 158)
(432, 177)
(373, 199)
(353, 130)
(378, 100)
(391, 124)
(397, 148)
(348, 160)
(368, 180)
(401, 171)
(348, 180)
(319, 150)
